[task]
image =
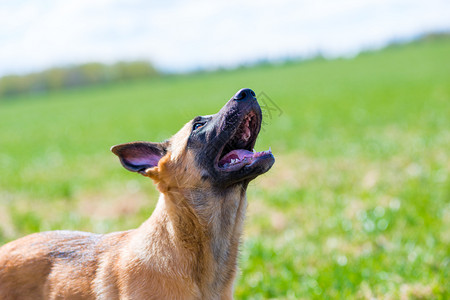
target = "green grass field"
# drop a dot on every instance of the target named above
(357, 205)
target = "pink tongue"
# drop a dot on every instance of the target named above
(239, 154)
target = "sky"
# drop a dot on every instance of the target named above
(180, 36)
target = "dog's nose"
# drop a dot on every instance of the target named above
(244, 94)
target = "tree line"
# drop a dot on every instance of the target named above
(74, 76)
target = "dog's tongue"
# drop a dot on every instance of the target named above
(235, 154)
(240, 155)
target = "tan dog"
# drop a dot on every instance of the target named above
(187, 249)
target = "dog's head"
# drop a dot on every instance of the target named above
(215, 150)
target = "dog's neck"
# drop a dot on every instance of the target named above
(206, 228)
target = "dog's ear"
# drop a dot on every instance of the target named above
(140, 156)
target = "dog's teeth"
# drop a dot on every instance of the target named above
(254, 151)
(234, 161)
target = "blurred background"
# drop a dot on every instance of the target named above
(356, 101)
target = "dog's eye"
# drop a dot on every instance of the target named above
(197, 125)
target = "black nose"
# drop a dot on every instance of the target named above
(244, 94)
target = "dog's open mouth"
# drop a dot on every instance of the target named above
(238, 152)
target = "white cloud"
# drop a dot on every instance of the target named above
(180, 35)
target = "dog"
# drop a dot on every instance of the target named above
(187, 249)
